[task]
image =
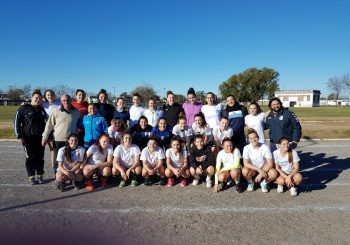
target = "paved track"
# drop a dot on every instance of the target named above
(192, 215)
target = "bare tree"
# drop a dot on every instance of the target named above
(61, 89)
(335, 85)
(146, 92)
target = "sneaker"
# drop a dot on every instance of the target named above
(40, 180)
(104, 182)
(122, 183)
(147, 182)
(250, 187)
(183, 182)
(195, 182)
(209, 184)
(239, 188)
(264, 187)
(32, 180)
(77, 185)
(61, 186)
(89, 185)
(280, 188)
(170, 182)
(133, 183)
(162, 181)
(293, 191)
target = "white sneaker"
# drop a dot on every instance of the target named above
(280, 188)
(250, 187)
(209, 185)
(293, 191)
(195, 181)
(264, 187)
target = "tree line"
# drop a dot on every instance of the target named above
(252, 84)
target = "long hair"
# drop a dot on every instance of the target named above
(290, 150)
(258, 108)
(67, 149)
(48, 90)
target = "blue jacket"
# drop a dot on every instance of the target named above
(283, 124)
(94, 126)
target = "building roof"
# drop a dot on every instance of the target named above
(297, 91)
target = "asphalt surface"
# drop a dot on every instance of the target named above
(40, 214)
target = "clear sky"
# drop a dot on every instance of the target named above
(171, 44)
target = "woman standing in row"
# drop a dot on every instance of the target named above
(29, 125)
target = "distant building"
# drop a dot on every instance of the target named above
(299, 98)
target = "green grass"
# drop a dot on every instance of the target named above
(327, 112)
(7, 113)
(7, 133)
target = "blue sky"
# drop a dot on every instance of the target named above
(171, 44)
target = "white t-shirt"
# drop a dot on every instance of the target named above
(76, 155)
(152, 158)
(176, 160)
(113, 133)
(153, 117)
(135, 114)
(283, 162)
(257, 156)
(222, 135)
(127, 157)
(200, 130)
(257, 123)
(96, 156)
(187, 131)
(228, 159)
(212, 114)
(49, 107)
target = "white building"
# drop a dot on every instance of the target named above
(299, 98)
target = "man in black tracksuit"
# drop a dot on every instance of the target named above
(29, 125)
(282, 123)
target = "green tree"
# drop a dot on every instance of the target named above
(252, 84)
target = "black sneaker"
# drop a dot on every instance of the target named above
(147, 182)
(61, 186)
(77, 185)
(40, 180)
(32, 181)
(239, 188)
(162, 181)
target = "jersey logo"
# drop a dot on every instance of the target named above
(280, 118)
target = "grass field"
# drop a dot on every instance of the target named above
(317, 122)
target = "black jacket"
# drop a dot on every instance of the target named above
(30, 121)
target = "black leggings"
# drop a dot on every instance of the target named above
(34, 155)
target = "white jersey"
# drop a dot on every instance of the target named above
(135, 113)
(153, 116)
(228, 160)
(227, 133)
(96, 156)
(257, 157)
(76, 155)
(212, 114)
(152, 158)
(127, 156)
(182, 133)
(201, 130)
(257, 123)
(49, 107)
(177, 160)
(283, 162)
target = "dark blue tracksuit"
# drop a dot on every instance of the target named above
(283, 124)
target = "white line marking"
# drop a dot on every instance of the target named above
(51, 185)
(205, 210)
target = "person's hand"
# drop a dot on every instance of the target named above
(289, 181)
(123, 174)
(216, 188)
(151, 172)
(44, 142)
(128, 172)
(199, 171)
(177, 172)
(20, 141)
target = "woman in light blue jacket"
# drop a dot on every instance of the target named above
(94, 125)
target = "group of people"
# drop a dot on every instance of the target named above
(176, 142)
